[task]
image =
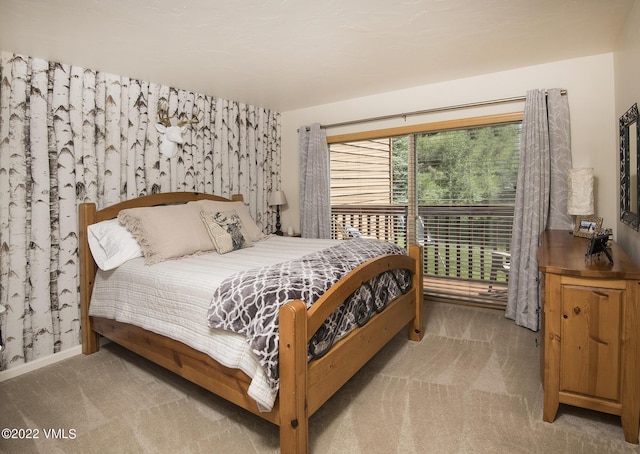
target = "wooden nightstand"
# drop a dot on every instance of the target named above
(590, 330)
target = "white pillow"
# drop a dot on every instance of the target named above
(249, 228)
(111, 244)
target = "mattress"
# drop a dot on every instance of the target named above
(171, 298)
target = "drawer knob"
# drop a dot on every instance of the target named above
(576, 310)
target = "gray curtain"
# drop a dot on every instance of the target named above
(315, 209)
(541, 197)
(70, 135)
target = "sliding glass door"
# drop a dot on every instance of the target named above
(451, 189)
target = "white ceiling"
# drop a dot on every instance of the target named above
(290, 54)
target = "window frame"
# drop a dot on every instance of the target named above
(411, 130)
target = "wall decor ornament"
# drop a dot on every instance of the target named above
(171, 130)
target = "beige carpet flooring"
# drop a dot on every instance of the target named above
(471, 386)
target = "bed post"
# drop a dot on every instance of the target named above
(416, 326)
(294, 417)
(86, 216)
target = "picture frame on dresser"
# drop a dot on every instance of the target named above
(598, 245)
(587, 226)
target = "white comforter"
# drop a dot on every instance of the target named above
(171, 298)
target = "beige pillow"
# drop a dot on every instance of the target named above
(249, 228)
(225, 230)
(167, 232)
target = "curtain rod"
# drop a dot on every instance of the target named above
(432, 110)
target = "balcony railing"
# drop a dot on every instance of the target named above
(466, 249)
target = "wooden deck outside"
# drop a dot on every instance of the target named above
(464, 265)
(471, 293)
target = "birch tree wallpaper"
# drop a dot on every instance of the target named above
(70, 135)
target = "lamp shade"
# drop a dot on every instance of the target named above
(580, 191)
(277, 198)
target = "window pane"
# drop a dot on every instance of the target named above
(468, 166)
(360, 172)
(361, 195)
(466, 196)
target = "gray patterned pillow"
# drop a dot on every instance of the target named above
(224, 228)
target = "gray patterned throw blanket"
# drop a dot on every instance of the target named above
(248, 302)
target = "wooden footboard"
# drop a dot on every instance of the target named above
(304, 386)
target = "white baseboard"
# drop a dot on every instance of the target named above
(40, 362)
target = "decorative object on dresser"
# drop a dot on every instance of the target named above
(580, 202)
(598, 245)
(580, 191)
(587, 226)
(590, 330)
(278, 198)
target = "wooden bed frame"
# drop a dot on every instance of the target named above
(304, 386)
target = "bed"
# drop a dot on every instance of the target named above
(304, 384)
